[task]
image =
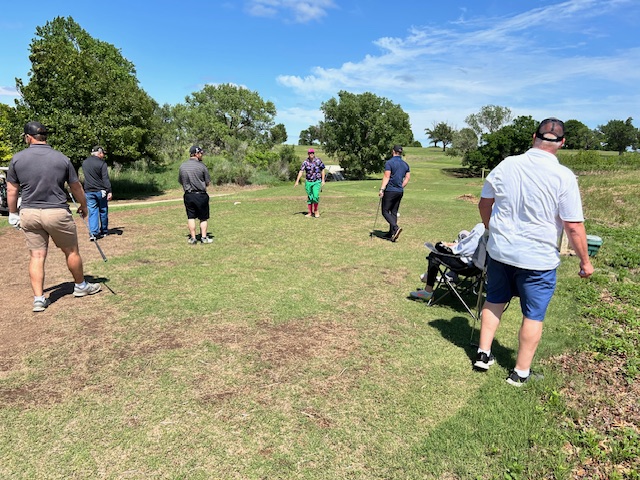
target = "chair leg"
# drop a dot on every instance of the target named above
(479, 304)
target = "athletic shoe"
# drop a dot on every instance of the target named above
(317, 215)
(309, 215)
(422, 294)
(518, 381)
(206, 240)
(484, 361)
(89, 289)
(396, 234)
(93, 238)
(192, 241)
(40, 305)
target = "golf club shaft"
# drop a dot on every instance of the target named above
(377, 212)
(95, 240)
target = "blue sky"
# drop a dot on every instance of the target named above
(440, 61)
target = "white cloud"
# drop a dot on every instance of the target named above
(9, 91)
(298, 11)
(531, 62)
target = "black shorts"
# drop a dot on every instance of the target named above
(197, 205)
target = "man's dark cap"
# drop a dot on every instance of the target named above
(397, 148)
(98, 148)
(195, 149)
(548, 127)
(35, 128)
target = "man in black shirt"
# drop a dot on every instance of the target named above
(97, 189)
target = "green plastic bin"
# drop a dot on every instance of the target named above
(593, 243)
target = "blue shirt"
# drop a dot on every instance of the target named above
(398, 168)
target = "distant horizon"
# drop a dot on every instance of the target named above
(573, 60)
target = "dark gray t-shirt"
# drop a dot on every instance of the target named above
(194, 176)
(41, 173)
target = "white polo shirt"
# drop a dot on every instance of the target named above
(533, 195)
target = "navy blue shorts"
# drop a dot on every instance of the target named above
(197, 206)
(534, 287)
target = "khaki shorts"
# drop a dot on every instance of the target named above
(40, 224)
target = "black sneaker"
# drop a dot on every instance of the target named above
(484, 361)
(517, 381)
(396, 234)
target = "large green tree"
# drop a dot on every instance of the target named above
(310, 135)
(229, 118)
(5, 134)
(580, 137)
(360, 130)
(619, 135)
(489, 119)
(441, 132)
(88, 93)
(512, 139)
(464, 141)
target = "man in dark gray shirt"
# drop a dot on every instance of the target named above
(194, 178)
(41, 172)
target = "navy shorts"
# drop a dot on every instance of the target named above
(534, 287)
(197, 205)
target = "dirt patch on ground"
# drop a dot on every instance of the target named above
(467, 197)
(79, 337)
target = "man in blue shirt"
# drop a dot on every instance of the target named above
(396, 177)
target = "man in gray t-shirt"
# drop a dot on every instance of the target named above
(194, 178)
(41, 172)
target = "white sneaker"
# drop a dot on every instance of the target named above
(89, 289)
(422, 294)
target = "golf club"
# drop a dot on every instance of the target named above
(376, 219)
(95, 240)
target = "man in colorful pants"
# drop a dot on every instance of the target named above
(313, 168)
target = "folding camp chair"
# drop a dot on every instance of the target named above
(463, 281)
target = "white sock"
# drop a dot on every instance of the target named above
(82, 285)
(41, 298)
(522, 373)
(484, 351)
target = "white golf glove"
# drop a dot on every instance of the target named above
(14, 220)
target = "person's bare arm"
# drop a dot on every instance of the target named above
(385, 181)
(78, 195)
(578, 239)
(12, 197)
(485, 206)
(406, 179)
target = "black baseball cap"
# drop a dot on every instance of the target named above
(35, 128)
(397, 148)
(195, 149)
(98, 148)
(550, 126)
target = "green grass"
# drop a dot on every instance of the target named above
(287, 349)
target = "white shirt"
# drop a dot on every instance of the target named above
(533, 195)
(467, 246)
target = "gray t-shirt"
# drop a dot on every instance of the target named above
(41, 173)
(194, 176)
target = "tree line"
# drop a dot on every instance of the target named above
(88, 93)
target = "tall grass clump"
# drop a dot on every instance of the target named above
(598, 161)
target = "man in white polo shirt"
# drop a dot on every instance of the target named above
(526, 202)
